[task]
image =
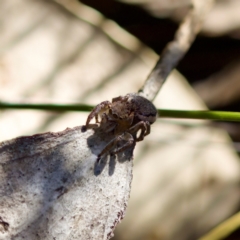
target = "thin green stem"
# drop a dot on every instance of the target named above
(163, 113)
(207, 115)
(47, 107)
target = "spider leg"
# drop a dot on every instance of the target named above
(123, 137)
(104, 118)
(103, 106)
(108, 147)
(129, 142)
(144, 127)
(148, 128)
(107, 123)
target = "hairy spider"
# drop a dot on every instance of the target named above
(124, 117)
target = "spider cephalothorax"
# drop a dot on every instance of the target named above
(124, 117)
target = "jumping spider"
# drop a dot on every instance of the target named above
(124, 117)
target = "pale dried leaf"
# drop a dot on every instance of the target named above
(52, 188)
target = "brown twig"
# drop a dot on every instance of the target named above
(175, 50)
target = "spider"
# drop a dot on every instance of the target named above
(124, 117)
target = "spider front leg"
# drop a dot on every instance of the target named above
(144, 127)
(102, 107)
(123, 137)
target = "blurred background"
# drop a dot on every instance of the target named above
(154, 23)
(187, 173)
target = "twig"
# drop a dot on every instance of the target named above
(175, 50)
